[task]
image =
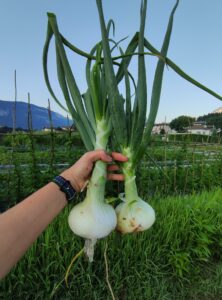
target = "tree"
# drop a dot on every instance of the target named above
(212, 119)
(181, 123)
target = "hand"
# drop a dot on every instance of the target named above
(80, 172)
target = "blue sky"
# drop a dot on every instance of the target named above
(196, 46)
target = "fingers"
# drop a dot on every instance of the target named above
(113, 168)
(119, 156)
(102, 155)
(95, 155)
(118, 177)
(99, 155)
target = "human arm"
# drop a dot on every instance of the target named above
(22, 224)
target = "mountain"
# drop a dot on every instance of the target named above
(40, 117)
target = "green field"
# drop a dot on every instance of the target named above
(178, 258)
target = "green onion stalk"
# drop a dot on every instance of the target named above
(132, 129)
(133, 214)
(93, 218)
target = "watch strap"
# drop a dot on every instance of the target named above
(66, 187)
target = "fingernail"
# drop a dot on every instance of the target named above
(109, 158)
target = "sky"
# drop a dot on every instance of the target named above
(196, 46)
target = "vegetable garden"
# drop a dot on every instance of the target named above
(179, 257)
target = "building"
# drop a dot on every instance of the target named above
(59, 129)
(162, 128)
(201, 128)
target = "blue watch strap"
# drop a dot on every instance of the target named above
(66, 187)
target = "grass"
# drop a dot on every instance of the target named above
(178, 258)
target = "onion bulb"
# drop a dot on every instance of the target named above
(92, 220)
(135, 216)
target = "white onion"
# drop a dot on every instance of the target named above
(92, 220)
(134, 217)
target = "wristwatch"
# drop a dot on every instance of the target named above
(66, 187)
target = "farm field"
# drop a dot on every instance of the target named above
(167, 168)
(178, 258)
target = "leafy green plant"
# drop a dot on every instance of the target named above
(176, 258)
